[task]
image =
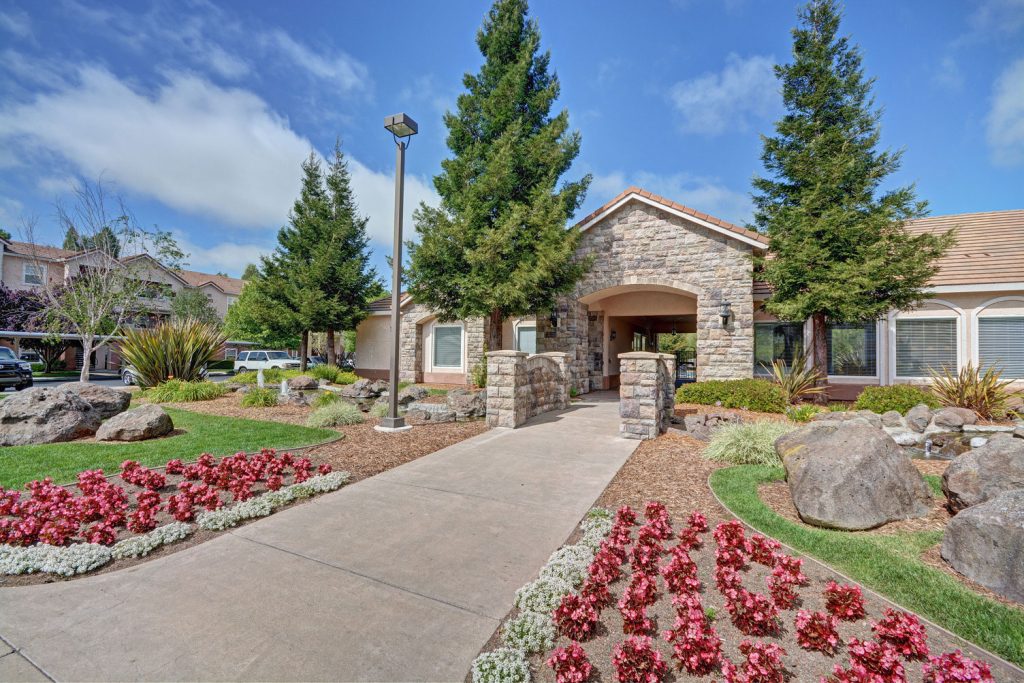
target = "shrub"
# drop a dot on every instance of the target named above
(530, 632)
(333, 374)
(324, 398)
(270, 376)
(797, 381)
(38, 367)
(747, 443)
(751, 394)
(178, 391)
(503, 665)
(478, 374)
(174, 350)
(838, 407)
(898, 397)
(984, 393)
(803, 412)
(260, 398)
(570, 664)
(335, 415)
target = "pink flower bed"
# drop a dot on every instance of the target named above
(99, 510)
(651, 564)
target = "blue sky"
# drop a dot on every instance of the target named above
(200, 113)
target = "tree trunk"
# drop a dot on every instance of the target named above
(332, 351)
(495, 322)
(86, 352)
(819, 347)
(303, 350)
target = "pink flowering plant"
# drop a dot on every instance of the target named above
(576, 617)
(696, 647)
(953, 667)
(903, 631)
(871, 662)
(763, 664)
(637, 661)
(570, 664)
(846, 602)
(817, 631)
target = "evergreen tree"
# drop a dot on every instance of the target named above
(106, 241)
(261, 314)
(195, 304)
(5, 234)
(498, 246)
(72, 240)
(839, 251)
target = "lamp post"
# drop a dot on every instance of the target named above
(401, 127)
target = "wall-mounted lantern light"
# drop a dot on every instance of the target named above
(612, 336)
(725, 311)
(553, 319)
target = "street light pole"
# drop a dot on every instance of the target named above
(402, 128)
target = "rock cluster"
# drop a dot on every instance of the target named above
(703, 425)
(459, 405)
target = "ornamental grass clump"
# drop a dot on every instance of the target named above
(747, 443)
(325, 398)
(333, 374)
(180, 349)
(180, 391)
(798, 380)
(335, 415)
(983, 392)
(260, 398)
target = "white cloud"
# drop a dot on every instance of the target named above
(948, 74)
(375, 193)
(16, 22)
(1000, 16)
(346, 72)
(10, 213)
(745, 89)
(1006, 118)
(700, 193)
(225, 257)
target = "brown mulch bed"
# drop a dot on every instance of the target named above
(670, 469)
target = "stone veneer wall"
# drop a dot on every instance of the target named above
(646, 393)
(521, 386)
(414, 317)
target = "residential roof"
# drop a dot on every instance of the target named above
(228, 285)
(989, 247)
(650, 197)
(384, 303)
(39, 251)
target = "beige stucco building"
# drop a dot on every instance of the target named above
(659, 267)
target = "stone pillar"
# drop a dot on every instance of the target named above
(507, 389)
(646, 401)
(557, 397)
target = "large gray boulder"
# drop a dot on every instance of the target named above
(918, 417)
(46, 415)
(954, 418)
(303, 383)
(107, 400)
(984, 472)
(850, 475)
(985, 543)
(147, 422)
(467, 403)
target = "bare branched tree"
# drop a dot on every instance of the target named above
(104, 287)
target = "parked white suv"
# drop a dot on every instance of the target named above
(255, 360)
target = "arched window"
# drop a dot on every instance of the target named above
(999, 336)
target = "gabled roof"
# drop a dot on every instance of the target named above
(39, 251)
(750, 237)
(229, 285)
(383, 304)
(989, 248)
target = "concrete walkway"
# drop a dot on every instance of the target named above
(403, 576)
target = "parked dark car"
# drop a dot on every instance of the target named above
(14, 372)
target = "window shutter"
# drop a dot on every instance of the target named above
(1001, 345)
(448, 347)
(925, 346)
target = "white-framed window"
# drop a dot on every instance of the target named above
(776, 341)
(1001, 345)
(526, 338)
(925, 346)
(231, 300)
(230, 353)
(447, 343)
(852, 349)
(34, 274)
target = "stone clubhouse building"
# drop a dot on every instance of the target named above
(661, 267)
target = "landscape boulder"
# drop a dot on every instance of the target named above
(984, 472)
(147, 422)
(702, 425)
(46, 415)
(365, 389)
(849, 475)
(430, 412)
(864, 416)
(919, 417)
(467, 403)
(892, 418)
(985, 543)
(411, 393)
(107, 400)
(954, 418)
(303, 383)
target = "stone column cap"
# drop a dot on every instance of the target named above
(641, 355)
(553, 354)
(507, 354)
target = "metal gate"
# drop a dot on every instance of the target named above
(686, 366)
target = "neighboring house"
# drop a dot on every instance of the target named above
(27, 266)
(660, 267)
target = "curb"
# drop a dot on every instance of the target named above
(994, 657)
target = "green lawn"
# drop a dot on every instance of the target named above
(203, 434)
(890, 565)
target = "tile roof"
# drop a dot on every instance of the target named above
(229, 285)
(384, 303)
(989, 248)
(668, 203)
(39, 251)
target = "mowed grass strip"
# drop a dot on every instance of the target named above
(202, 434)
(889, 565)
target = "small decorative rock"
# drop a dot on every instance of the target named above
(147, 422)
(903, 437)
(978, 441)
(107, 400)
(919, 417)
(985, 472)
(303, 383)
(985, 543)
(45, 415)
(892, 418)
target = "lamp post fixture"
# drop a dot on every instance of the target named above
(402, 128)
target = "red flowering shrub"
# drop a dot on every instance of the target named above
(179, 506)
(625, 517)
(174, 467)
(325, 468)
(636, 661)
(953, 667)
(688, 539)
(727, 578)
(658, 523)
(605, 566)
(570, 664)
(597, 592)
(731, 535)
(143, 519)
(817, 631)
(786, 576)
(752, 613)
(871, 662)
(102, 533)
(634, 614)
(616, 543)
(680, 573)
(763, 664)
(762, 549)
(696, 646)
(575, 617)
(274, 482)
(698, 522)
(844, 601)
(643, 558)
(903, 631)
(137, 475)
(303, 469)
(643, 588)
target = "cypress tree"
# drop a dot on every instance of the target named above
(497, 246)
(839, 251)
(72, 240)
